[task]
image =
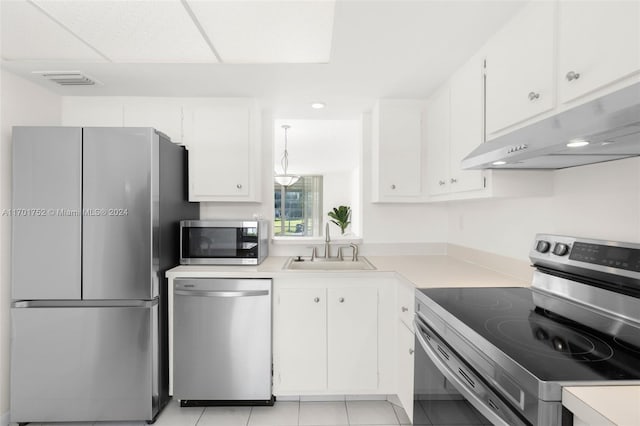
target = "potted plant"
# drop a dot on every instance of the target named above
(341, 216)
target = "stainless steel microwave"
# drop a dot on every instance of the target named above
(223, 242)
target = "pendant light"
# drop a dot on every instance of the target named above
(285, 179)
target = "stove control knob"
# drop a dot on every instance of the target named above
(560, 249)
(543, 246)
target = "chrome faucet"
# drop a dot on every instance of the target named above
(354, 246)
(327, 241)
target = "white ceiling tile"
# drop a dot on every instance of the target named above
(268, 31)
(28, 34)
(133, 31)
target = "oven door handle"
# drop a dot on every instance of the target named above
(461, 386)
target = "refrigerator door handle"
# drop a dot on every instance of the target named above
(84, 303)
(201, 293)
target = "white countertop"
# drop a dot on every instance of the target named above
(423, 271)
(600, 405)
(604, 405)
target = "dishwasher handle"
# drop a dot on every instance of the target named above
(223, 293)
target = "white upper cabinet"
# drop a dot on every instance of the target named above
(164, 115)
(521, 68)
(454, 127)
(598, 44)
(437, 135)
(224, 151)
(397, 150)
(467, 126)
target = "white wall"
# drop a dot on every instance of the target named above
(22, 103)
(597, 201)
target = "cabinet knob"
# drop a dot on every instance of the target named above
(533, 96)
(441, 182)
(572, 75)
(393, 187)
(341, 300)
(239, 186)
(453, 180)
(405, 309)
(411, 351)
(316, 299)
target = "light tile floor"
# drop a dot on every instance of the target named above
(338, 413)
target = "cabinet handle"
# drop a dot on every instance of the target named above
(405, 309)
(572, 75)
(341, 300)
(393, 187)
(453, 180)
(316, 299)
(239, 186)
(441, 182)
(411, 351)
(533, 96)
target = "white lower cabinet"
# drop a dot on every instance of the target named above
(301, 326)
(352, 338)
(331, 337)
(405, 367)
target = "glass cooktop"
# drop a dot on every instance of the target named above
(549, 346)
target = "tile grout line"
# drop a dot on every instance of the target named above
(199, 417)
(395, 413)
(249, 417)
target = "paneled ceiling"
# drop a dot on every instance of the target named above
(287, 53)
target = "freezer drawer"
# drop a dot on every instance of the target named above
(222, 339)
(83, 364)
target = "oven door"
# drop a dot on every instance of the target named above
(466, 381)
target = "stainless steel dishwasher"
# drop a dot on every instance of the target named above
(222, 341)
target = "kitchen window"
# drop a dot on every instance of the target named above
(298, 208)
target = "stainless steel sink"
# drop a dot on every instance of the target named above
(321, 264)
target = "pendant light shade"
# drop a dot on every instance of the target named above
(285, 179)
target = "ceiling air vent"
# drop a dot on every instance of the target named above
(68, 78)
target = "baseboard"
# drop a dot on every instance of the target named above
(4, 419)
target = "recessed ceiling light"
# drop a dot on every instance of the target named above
(577, 143)
(499, 163)
(318, 105)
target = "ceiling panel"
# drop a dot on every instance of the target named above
(133, 31)
(28, 34)
(268, 31)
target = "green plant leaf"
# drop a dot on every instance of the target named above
(341, 216)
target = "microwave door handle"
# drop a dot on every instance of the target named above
(217, 293)
(461, 386)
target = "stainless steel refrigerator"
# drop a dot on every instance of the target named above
(95, 226)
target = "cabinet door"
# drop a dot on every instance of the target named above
(467, 106)
(520, 67)
(352, 338)
(600, 41)
(47, 174)
(219, 162)
(163, 115)
(302, 339)
(405, 358)
(397, 142)
(437, 138)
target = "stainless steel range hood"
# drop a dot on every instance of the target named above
(610, 125)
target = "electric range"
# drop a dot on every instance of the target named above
(510, 351)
